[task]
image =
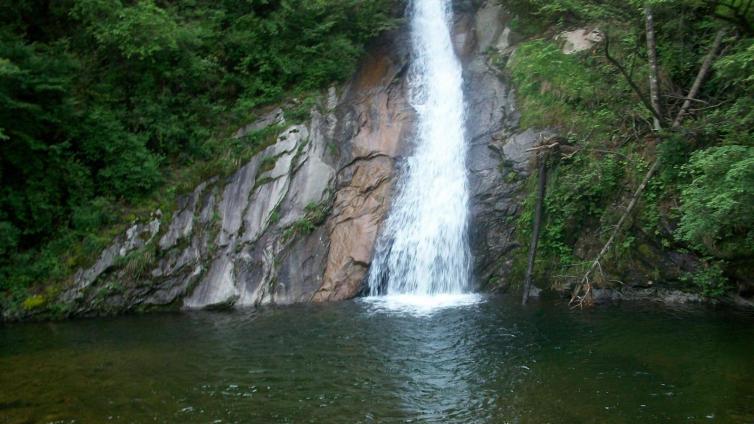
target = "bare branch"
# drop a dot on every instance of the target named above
(543, 147)
(709, 107)
(576, 298)
(703, 71)
(644, 100)
(670, 96)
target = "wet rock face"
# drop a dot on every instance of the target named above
(379, 121)
(360, 207)
(296, 223)
(498, 157)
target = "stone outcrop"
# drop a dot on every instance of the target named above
(379, 120)
(498, 160)
(136, 237)
(580, 39)
(296, 223)
(299, 220)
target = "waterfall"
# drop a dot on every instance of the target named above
(423, 250)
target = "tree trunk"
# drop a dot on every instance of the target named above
(703, 71)
(537, 224)
(654, 85)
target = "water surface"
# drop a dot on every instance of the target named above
(490, 361)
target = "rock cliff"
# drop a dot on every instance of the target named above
(298, 222)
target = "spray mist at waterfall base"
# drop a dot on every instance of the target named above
(420, 304)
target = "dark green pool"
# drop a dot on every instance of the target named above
(352, 362)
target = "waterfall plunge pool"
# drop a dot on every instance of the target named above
(483, 361)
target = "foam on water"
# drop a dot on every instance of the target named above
(421, 304)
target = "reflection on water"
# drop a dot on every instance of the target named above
(487, 361)
(432, 364)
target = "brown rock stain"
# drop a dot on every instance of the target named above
(384, 121)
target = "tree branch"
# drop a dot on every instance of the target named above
(585, 285)
(700, 77)
(644, 100)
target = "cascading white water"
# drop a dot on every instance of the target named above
(423, 251)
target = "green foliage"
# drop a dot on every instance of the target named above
(578, 194)
(580, 92)
(137, 263)
(302, 226)
(540, 68)
(582, 95)
(536, 16)
(710, 280)
(738, 13)
(231, 153)
(300, 111)
(108, 108)
(8, 237)
(33, 302)
(701, 199)
(716, 207)
(316, 214)
(274, 217)
(734, 73)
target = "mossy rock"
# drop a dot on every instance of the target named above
(34, 302)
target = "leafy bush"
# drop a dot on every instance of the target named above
(33, 302)
(716, 207)
(710, 280)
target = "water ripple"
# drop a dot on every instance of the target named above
(484, 361)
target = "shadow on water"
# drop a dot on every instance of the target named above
(486, 361)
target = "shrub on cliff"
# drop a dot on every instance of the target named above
(717, 215)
